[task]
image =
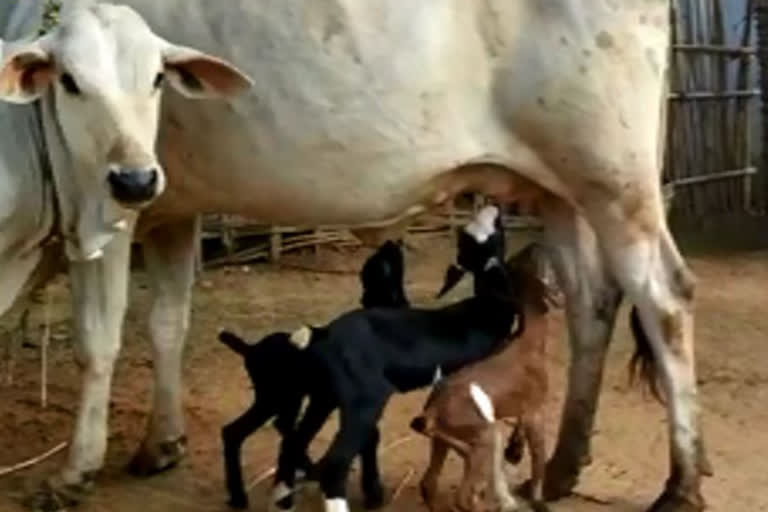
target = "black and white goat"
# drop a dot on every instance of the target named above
(368, 355)
(280, 369)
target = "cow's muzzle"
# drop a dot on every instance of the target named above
(134, 186)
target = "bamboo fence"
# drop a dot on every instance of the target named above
(708, 160)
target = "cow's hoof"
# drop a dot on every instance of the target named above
(671, 501)
(153, 459)
(54, 495)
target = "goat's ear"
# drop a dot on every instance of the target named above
(453, 275)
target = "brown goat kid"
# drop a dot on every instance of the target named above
(464, 411)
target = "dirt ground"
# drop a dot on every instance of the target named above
(630, 445)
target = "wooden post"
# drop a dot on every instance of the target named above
(761, 13)
(275, 244)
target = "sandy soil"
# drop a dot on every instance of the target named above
(630, 447)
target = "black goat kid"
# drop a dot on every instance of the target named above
(279, 370)
(368, 355)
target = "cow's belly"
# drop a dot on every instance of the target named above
(358, 112)
(363, 112)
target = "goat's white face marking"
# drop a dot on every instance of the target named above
(438, 375)
(483, 225)
(336, 505)
(301, 337)
(483, 402)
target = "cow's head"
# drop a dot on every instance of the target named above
(104, 70)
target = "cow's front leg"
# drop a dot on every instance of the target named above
(99, 297)
(169, 257)
(593, 298)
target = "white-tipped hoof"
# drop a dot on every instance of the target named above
(336, 505)
(301, 337)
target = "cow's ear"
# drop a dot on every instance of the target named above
(198, 75)
(26, 71)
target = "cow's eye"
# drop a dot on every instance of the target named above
(69, 84)
(159, 79)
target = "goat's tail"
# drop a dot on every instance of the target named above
(643, 362)
(233, 341)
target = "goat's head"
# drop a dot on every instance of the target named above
(531, 272)
(382, 278)
(480, 246)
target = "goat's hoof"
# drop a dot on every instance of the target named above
(675, 501)
(374, 498)
(156, 458)
(238, 501)
(559, 481)
(54, 495)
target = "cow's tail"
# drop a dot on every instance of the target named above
(233, 341)
(643, 364)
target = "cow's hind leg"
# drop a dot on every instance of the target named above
(645, 260)
(169, 256)
(593, 298)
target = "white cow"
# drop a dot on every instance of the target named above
(79, 163)
(372, 112)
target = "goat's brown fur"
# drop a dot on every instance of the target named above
(515, 379)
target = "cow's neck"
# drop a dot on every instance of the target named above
(88, 220)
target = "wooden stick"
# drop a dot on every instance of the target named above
(396, 443)
(34, 460)
(44, 350)
(264, 475)
(402, 484)
(592, 499)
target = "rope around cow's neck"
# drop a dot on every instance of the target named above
(50, 16)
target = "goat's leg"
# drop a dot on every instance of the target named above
(233, 435)
(357, 423)
(592, 300)
(169, 252)
(370, 479)
(478, 467)
(533, 425)
(285, 423)
(506, 502)
(294, 447)
(428, 485)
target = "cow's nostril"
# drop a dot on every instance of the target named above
(133, 186)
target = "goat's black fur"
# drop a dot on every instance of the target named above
(280, 371)
(371, 354)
